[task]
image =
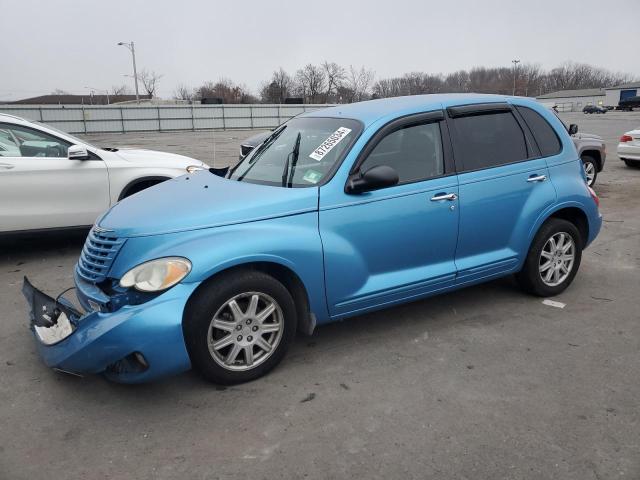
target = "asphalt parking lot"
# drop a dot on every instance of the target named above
(483, 383)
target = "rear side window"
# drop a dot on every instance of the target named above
(489, 140)
(545, 135)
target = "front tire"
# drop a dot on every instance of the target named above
(553, 259)
(239, 326)
(590, 168)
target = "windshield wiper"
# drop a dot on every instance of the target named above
(287, 178)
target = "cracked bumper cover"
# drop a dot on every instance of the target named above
(101, 339)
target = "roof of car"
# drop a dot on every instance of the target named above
(6, 116)
(372, 110)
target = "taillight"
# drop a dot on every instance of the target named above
(594, 196)
(626, 138)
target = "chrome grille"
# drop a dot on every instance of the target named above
(98, 253)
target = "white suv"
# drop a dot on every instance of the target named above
(50, 179)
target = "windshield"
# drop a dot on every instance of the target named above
(300, 153)
(75, 139)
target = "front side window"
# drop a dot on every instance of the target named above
(489, 140)
(26, 142)
(415, 152)
(9, 145)
(301, 153)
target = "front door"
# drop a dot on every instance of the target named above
(396, 243)
(41, 188)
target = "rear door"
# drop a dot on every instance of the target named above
(41, 188)
(504, 187)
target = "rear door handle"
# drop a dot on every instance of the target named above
(6, 166)
(537, 178)
(444, 196)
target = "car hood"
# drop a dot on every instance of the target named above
(589, 136)
(203, 200)
(136, 155)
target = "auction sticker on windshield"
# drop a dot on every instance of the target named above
(331, 141)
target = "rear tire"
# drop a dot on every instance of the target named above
(227, 339)
(590, 168)
(548, 271)
(632, 163)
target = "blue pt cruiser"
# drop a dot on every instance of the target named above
(340, 211)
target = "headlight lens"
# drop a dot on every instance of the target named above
(156, 275)
(195, 168)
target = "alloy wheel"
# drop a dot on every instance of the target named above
(245, 331)
(590, 170)
(556, 259)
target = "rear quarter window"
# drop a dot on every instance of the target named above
(544, 134)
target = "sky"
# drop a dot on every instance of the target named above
(71, 44)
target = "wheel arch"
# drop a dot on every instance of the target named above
(569, 212)
(281, 272)
(595, 154)
(153, 179)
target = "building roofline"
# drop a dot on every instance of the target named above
(585, 92)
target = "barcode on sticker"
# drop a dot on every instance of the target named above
(326, 146)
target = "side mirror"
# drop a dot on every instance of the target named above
(373, 179)
(77, 152)
(573, 129)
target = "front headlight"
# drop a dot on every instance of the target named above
(195, 168)
(156, 275)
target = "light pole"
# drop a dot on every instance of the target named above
(515, 66)
(99, 90)
(132, 49)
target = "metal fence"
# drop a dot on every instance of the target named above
(157, 118)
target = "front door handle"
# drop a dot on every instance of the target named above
(444, 196)
(537, 178)
(6, 166)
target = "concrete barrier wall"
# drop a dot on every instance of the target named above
(158, 118)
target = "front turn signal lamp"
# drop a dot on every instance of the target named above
(156, 275)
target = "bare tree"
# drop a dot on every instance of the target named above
(278, 88)
(358, 82)
(311, 82)
(59, 91)
(150, 81)
(119, 90)
(226, 90)
(571, 75)
(335, 75)
(457, 81)
(530, 80)
(182, 92)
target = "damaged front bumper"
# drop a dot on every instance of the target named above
(135, 343)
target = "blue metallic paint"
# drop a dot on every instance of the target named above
(368, 251)
(153, 329)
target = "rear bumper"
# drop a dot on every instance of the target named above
(628, 152)
(595, 224)
(100, 340)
